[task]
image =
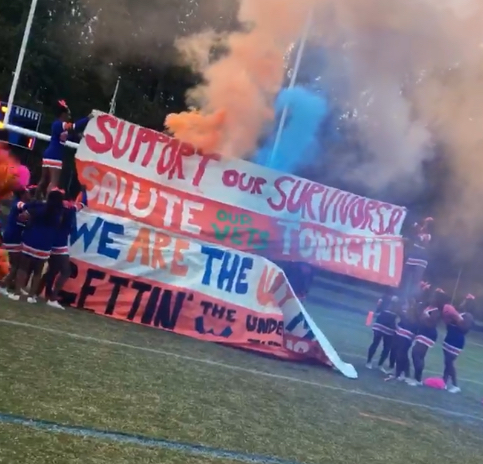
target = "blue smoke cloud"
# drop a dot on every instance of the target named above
(298, 144)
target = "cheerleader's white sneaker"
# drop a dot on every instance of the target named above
(54, 304)
(414, 383)
(453, 389)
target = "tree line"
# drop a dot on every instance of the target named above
(78, 49)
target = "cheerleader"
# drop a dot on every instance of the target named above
(12, 237)
(59, 262)
(427, 334)
(384, 329)
(43, 221)
(407, 330)
(417, 258)
(54, 154)
(454, 341)
(382, 303)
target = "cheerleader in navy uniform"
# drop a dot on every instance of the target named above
(455, 339)
(37, 240)
(58, 271)
(383, 303)
(427, 334)
(384, 329)
(54, 154)
(416, 259)
(12, 237)
(406, 332)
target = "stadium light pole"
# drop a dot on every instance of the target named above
(21, 56)
(293, 80)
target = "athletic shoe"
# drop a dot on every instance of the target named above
(414, 383)
(369, 365)
(54, 304)
(384, 370)
(13, 297)
(453, 389)
(31, 300)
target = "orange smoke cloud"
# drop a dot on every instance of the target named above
(202, 131)
(237, 99)
(8, 173)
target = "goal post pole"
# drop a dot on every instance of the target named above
(45, 137)
(21, 56)
(15, 81)
(298, 61)
(16, 78)
(36, 135)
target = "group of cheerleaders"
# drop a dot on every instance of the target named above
(39, 225)
(409, 317)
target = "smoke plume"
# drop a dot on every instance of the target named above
(240, 87)
(419, 64)
(298, 145)
(406, 74)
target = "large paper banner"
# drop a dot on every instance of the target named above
(158, 181)
(132, 272)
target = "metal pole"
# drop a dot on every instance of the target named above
(37, 135)
(112, 108)
(293, 79)
(21, 55)
(46, 138)
(457, 284)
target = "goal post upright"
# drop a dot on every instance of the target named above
(21, 56)
(293, 80)
(15, 81)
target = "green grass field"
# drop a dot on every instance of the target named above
(78, 369)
